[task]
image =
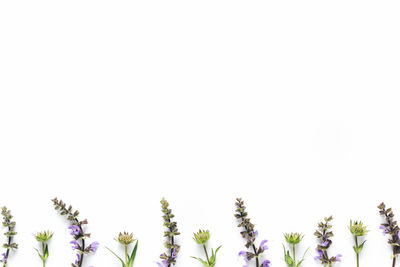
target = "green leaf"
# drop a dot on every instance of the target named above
(123, 264)
(131, 258)
(205, 263)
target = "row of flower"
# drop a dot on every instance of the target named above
(253, 255)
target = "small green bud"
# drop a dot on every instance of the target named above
(201, 237)
(43, 236)
(293, 238)
(357, 228)
(125, 238)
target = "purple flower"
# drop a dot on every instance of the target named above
(385, 231)
(320, 255)
(4, 259)
(338, 256)
(78, 256)
(244, 255)
(75, 230)
(94, 246)
(74, 244)
(266, 263)
(263, 246)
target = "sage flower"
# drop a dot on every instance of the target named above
(10, 234)
(169, 258)
(126, 239)
(390, 228)
(201, 238)
(43, 238)
(79, 242)
(292, 239)
(249, 234)
(324, 234)
(357, 229)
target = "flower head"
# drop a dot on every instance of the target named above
(125, 238)
(357, 228)
(44, 236)
(293, 238)
(202, 237)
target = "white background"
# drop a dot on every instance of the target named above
(110, 105)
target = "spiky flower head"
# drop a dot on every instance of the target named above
(43, 236)
(202, 237)
(357, 228)
(125, 238)
(293, 238)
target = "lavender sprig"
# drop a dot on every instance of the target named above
(76, 227)
(250, 235)
(169, 258)
(10, 225)
(324, 234)
(390, 228)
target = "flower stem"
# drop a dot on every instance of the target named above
(294, 255)
(126, 255)
(394, 260)
(205, 250)
(357, 254)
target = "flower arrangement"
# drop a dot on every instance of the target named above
(10, 225)
(324, 234)
(169, 258)
(292, 239)
(390, 228)
(201, 238)
(43, 238)
(357, 229)
(126, 239)
(79, 236)
(250, 235)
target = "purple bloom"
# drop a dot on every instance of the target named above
(78, 256)
(75, 230)
(320, 255)
(266, 263)
(338, 256)
(4, 259)
(94, 246)
(263, 246)
(385, 231)
(74, 244)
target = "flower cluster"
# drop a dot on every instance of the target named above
(79, 236)
(357, 229)
(390, 228)
(126, 239)
(324, 234)
(43, 237)
(169, 258)
(10, 225)
(292, 239)
(250, 235)
(201, 238)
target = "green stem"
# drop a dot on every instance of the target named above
(357, 255)
(44, 252)
(294, 255)
(126, 255)
(205, 250)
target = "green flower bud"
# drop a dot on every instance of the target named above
(125, 238)
(201, 237)
(357, 228)
(293, 238)
(44, 236)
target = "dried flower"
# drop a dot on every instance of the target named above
(357, 229)
(201, 238)
(126, 239)
(43, 237)
(79, 236)
(390, 228)
(10, 225)
(292, 239)
(250, 235)
(169, 258)
(324, 234)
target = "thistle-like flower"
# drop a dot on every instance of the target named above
(250, 235)
(10, 225)
(324, 234)
(43, 238)
(357, 229)
(292, 239)
(201, 238)
(390, 228)
(126, 239)
(78, 243)
(169, 258)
